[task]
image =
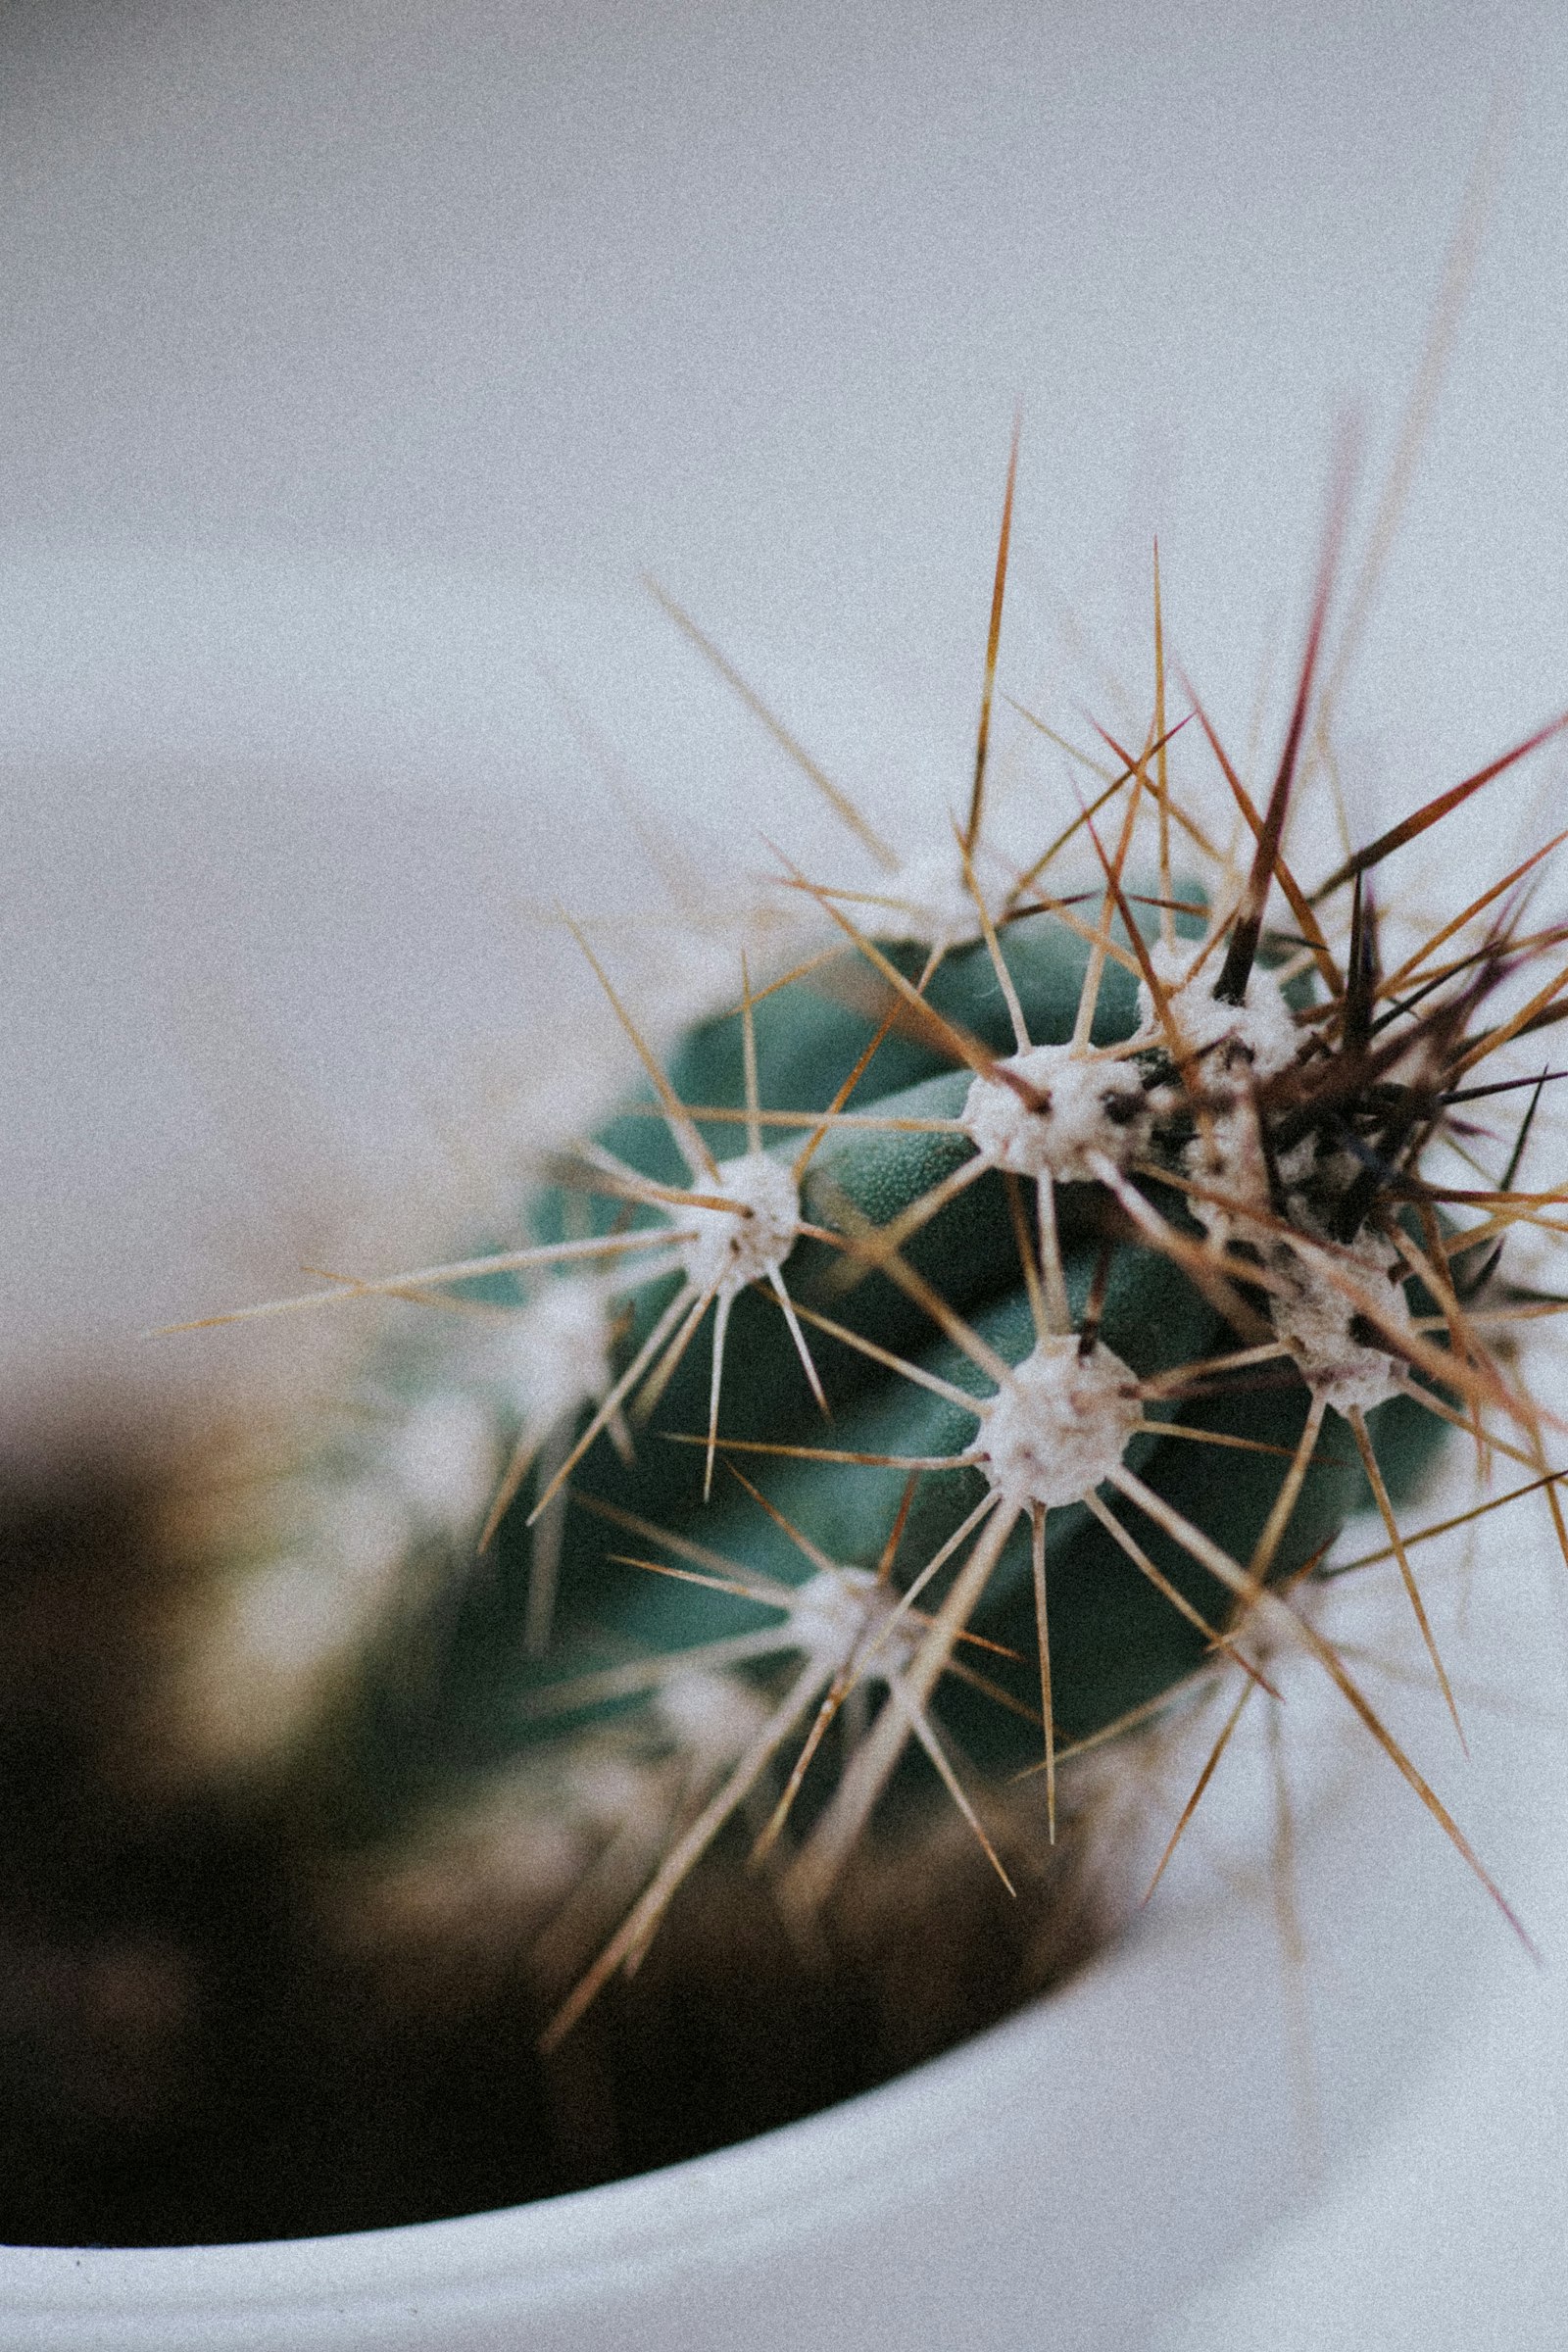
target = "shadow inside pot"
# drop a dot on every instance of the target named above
(193, 2049)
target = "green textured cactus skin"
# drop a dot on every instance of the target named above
(445, 1694)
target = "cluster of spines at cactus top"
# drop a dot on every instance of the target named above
(961, 1345)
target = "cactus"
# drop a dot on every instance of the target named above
(963, 1349)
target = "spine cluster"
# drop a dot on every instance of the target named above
(945, 1360)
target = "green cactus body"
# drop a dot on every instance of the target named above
(450, 1696)
(961, 1351)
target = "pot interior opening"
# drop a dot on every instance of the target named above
(193, 2051)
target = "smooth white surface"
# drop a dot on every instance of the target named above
(747, 294)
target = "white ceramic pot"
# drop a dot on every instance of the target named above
(1081, 2176)
(1076, 2179)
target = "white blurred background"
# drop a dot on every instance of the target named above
(355, 356)
(358, 359)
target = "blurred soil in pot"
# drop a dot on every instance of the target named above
(193, 2050)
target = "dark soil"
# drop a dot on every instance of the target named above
(190, 2052)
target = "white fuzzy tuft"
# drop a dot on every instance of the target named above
(711, 1717)
(931, 904)
(731, 1250)
(842, 1610)
(1315, 1323)
(556, 1355)
(1263, 1030)
(1058, 1425)
(1091, 1106)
